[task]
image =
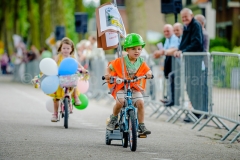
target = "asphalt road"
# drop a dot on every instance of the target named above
(26, 133)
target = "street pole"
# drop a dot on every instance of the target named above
(119, 50)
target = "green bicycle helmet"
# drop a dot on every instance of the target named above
(133, 40)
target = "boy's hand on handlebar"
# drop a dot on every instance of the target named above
(107, 77)
(149, 75)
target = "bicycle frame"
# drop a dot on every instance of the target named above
(67, 94)
(125, 110)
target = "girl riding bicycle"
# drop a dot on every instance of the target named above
(133, 66)
(65, 50)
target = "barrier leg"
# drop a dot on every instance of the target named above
(178, 116)
(198, 121)
(161, 112)
(222, 123)
(174, 115)
(216, 123)
(229, 132)
(235, 138)
(170, 113)
(209, 119)
(192, 116)
(172, 110)
(155, 111)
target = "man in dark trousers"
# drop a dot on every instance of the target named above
(171, 44)
(192, 41)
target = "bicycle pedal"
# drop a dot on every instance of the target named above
(142, 136)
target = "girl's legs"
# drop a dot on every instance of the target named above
(77, 101)
(55, 110)
(56, 105)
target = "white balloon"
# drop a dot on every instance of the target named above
(48, 67)
(50, 105)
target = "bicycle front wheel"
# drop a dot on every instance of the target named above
(65, 112)
(132, 135)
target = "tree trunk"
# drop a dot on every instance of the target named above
(46, 24)
(33, 18)
(235, 27)
(15, 21)
(41, 26)
(57, 13)
(79, 7)
(8, 26)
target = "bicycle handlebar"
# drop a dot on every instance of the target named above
(120, 80)
(80, 71)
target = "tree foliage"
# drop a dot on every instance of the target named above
(35, 20)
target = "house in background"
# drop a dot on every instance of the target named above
(228, 20)
(203, 7)
(222, 17)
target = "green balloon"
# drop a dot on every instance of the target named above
(83, 98)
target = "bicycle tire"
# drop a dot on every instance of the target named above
(65, 112)
(125, 140)
(132, 135)
(107, 139)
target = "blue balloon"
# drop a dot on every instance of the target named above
(68, 66)
(50, 84)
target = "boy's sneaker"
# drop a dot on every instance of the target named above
(54, 118)
(112, 123)
(77, 102)
(142, 129)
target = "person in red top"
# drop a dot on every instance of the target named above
(134, 65)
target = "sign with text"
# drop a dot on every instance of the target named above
(109, 19)
(111, 38)
(109, 23)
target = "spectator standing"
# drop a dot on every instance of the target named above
(4, 63)
(97, 53)
(170, 43)
(192, 41)
(201, 19)
(18, 63)
(175, 95)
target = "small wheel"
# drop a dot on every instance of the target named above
(132, 135)
(65, 101)
(107, 140)
(125, 140)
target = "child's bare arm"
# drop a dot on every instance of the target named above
(149, 74)
(82, 68)
(108, 75)
(56, 58)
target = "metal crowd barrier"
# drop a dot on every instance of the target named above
(206, 86)
(225, 91)
(25, 72)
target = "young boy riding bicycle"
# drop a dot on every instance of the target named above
(134, 66)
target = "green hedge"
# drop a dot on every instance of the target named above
(220, 42)
(223, 66)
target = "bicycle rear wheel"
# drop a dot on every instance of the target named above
(65, 101)
(132, 135)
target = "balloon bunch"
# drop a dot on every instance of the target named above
(50, 82)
